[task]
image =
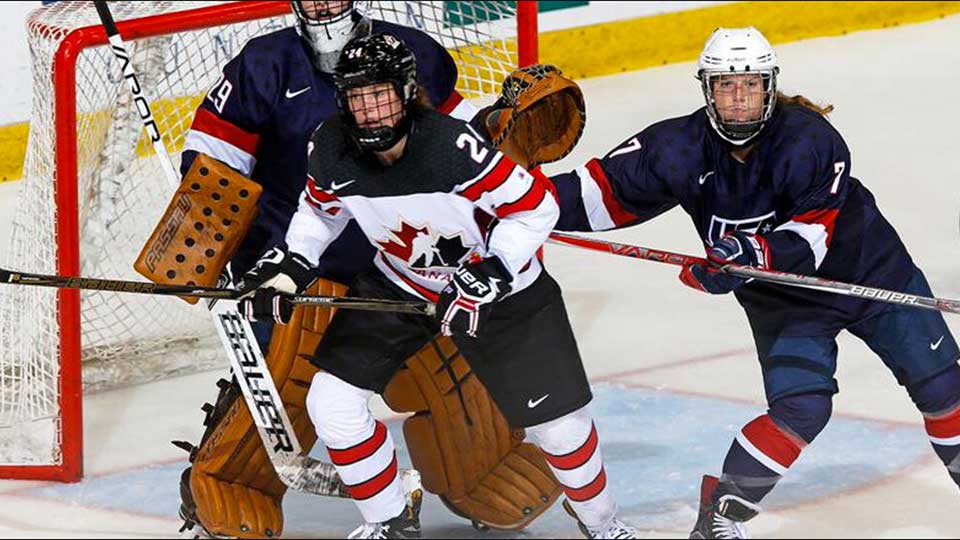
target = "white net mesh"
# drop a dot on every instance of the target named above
(122, 193)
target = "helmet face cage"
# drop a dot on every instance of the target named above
(320, 13)
(327, 27)
(739, 131)
(376, 119)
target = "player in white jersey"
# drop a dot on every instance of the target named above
(406, 174)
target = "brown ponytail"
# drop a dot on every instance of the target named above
(803, 102)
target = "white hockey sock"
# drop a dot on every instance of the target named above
(572, 450)
(360, 447)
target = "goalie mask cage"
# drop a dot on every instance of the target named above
(92, 193)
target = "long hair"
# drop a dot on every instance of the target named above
(803, 102)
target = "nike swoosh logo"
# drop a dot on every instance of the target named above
(703, 177)
(531, 403)
(935, 346)
(335, 186)
(291, 95)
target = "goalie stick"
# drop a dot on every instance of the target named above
(772, 276)
(297, 471)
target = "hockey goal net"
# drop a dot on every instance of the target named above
(92, 193)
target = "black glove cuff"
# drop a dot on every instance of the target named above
(299, 269)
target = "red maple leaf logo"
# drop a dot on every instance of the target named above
(401, 243)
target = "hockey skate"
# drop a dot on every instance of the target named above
(407, 524)
(724, 518)
(612, 529)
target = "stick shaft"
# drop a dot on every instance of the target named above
(119, 49)
(770, 276)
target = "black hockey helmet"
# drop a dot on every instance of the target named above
(371, 60)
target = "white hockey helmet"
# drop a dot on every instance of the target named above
(327, 26)
(738, 51)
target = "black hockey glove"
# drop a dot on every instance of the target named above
(266, 288)
(468, 297)
(739, 247)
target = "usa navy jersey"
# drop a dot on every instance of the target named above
(795, 189)
(259, 116)
(448, 198)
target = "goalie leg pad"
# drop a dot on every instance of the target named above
(233, 488)
(462, 445)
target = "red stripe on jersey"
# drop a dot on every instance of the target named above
(213, 125)
(424, 292)
(530, 200)
(357, 452)
(619, 214)
(827, 218)
(451, 103)
(492, 180)
(577, 458)
(944, 427)
(547, 183)
(365, 490)
(317, 194)
(588, 491)
(768, 438)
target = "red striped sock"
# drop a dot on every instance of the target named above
(369, 470)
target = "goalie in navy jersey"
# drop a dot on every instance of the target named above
(456, 222)
(767, 181)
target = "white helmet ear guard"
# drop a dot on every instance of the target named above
(735, 52)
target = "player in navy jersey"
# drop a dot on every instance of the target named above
(259, 116)
(456, 222)
(767, 181)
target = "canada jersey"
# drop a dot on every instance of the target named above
(450, 197)
(794, 189)
(259, 116)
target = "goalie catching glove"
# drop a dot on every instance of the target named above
(264, 289)
(467, 299)
(538, 118)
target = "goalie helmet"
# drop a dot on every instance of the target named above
(369, 61)
(729, 58)
(327, 26)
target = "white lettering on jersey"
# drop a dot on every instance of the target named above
(477, 152)
(720, 226)
(632, 146)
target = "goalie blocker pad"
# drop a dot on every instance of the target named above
(202, 227)
(458, 440)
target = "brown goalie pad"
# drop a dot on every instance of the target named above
(202, 228)
(539, 117)
(462, 445)
(233, 489)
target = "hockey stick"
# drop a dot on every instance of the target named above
(146, 287)
(246, 359)
(770, 276)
